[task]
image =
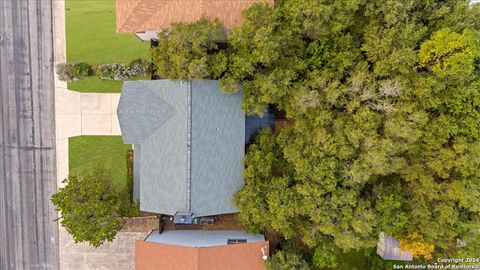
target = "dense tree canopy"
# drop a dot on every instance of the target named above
(92, 210)
(292, 257)
(191, 51)
(385, 96)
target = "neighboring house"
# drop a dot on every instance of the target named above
(189, 143)
(389, 249)
(146, 17)
(201, 250)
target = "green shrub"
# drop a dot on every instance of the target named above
(113, 71)
(121, 71)
(69, 72)
(140, 67)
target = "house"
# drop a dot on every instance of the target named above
(189, 143)
(201, 250)
(146, 17)
(389, 249)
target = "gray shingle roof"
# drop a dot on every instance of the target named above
(142, 110)
(178, 172)
(201, 238)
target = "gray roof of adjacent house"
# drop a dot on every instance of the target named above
(189, 145)
(201, 238)
(389, 249)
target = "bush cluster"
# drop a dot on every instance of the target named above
(121, 71)
(113, 71)
(140, 67)
(70, 72)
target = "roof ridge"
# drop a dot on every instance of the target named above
(189, 146)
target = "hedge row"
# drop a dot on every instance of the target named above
(69, 72)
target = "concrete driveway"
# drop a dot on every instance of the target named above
(116, 255)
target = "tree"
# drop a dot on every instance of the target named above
(287, 260)
(290, 257)
(415, 244)
(450, 54)
(191, 51)
(385, 100)
(324, 255)
(384, 96)
(91, 209)
(376, 262)
(265, 198)
(264, 57)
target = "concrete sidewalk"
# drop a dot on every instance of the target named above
(85, 114)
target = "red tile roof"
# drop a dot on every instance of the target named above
(150, 255)
(145, 15)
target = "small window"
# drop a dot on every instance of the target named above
(236, 241)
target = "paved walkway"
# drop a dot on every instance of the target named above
(85, 114)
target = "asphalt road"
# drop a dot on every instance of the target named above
(28, 232)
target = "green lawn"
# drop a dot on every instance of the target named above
(88, 152)
(96, 85)
(91, 38)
